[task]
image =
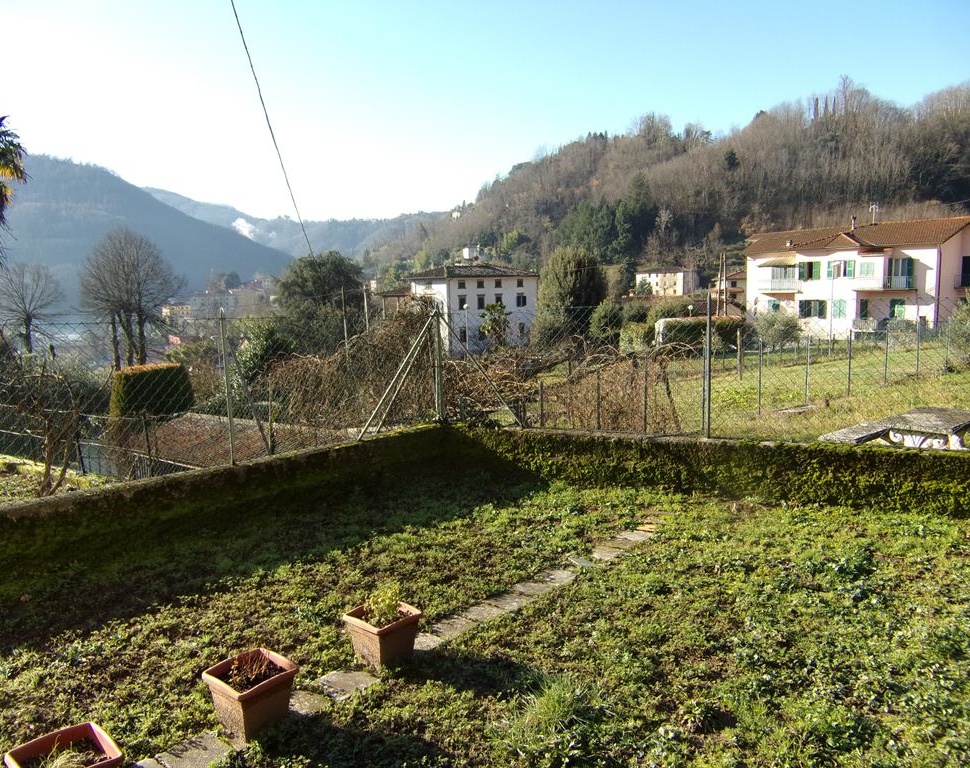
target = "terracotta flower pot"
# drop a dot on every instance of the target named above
(243, 713)
(383, 646)
(42, 746)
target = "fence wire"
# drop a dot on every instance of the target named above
(256, 392)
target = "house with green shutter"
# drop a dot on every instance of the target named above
(840, 281)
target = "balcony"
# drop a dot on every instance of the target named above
(898, 283)
(783, 285)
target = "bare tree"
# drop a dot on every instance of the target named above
(125, 282)
(27, 292)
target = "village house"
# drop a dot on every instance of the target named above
(462, 291)
(666, 281)
(859, 278)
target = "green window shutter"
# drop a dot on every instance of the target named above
(829, 269)
(801, 270)
(850, 269)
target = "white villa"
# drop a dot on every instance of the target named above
(667, 281)
(462, 291)
(858, 278)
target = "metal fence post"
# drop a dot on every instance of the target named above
(225, 372)
(439, 380)
(599, 400)
(646, 397)
(542, 405)
(885, 366)
(761, 367)
(706, 389)
(848, 377)
(919, 337)
(808, 366)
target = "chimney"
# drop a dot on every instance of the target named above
(853, 222)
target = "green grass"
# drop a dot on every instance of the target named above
(20, 479)
(739, 635)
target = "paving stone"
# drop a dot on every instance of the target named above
(648, 527)
(603, 552)
(635, 535)
(449, 628)
(533, 588)
(510, 601)
(426, 642)
(559, 576)
(482, 612)
(149, 762)
(342, 685)
(617, 543)
(197, 752)
(307, 703)
(581, 562)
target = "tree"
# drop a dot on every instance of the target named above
(27, 292)
(570, 285)
(495, 324)
(776, 328)
(318, 295)
(11, 169)
(606, 322)
(125, 281)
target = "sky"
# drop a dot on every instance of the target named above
(384, 107)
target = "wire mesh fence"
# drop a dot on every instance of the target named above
(250, 390)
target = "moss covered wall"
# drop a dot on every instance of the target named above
(880, 478)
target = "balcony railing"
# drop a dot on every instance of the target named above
(899, 282)
(787, 285)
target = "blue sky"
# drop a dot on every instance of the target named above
(388, 107)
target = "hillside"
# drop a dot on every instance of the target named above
(66, 208)
(665, 196)
(352, 238)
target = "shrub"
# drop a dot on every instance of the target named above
(158, 389)
(776, 329)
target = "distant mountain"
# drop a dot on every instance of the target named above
(66, 208)
(352, 237)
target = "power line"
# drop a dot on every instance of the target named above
(269, 125)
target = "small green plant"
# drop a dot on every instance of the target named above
(380, 608)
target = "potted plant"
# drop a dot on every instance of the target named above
(383, 628)
(250, 690)
(77, 746)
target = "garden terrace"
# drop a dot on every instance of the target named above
(802, 605)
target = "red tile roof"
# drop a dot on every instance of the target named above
(887, 234)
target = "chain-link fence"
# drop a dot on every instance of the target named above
(254, 390)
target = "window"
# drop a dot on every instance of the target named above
(463, 335)
(461, 285)
(810, 270)
(518, 283)
(521, 330)
(498, 283)
(520, 299)
(864, 306)
(480, 284)
(897, 308)
(498, 298)
(461, 301)
(481, 301)
(867, 269)
(774, 306)
(812, 308)
(734, 283)
(838, 308)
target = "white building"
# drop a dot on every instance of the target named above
(667, 281)
(838, 280)
(463, 291)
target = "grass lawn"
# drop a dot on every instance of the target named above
(738, 635)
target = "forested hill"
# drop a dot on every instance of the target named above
(65, 209)
(664, 196)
